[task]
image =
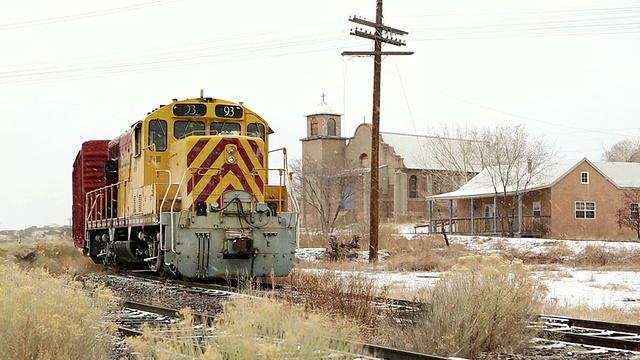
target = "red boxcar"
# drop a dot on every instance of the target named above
(88, 174)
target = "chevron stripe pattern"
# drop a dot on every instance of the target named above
(212, 174)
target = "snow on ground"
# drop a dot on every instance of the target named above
(567, 286)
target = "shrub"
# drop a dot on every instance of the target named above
(44, 317)
(484, 304)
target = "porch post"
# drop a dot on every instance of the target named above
(520, 213)
(473, 213)
(495, 214)
(450, 216)
(430, 209)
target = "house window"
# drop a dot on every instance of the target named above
(584, 177)
(413, 180)
(438, 187)
(585, 210)
(537, 206)
(635, 211)
(347, 197)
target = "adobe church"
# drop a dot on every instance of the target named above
(336, 170)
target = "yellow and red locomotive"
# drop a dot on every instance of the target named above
(186, 191)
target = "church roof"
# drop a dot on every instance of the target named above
(415, 149)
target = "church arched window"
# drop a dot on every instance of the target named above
(331, 127)
(364, 160)
(314, 127)
(413, 181)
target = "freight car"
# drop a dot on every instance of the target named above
(186, 191)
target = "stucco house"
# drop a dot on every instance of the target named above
(575, 199)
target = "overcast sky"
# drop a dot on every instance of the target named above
(76, 71)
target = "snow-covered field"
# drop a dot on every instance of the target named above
(567, 286)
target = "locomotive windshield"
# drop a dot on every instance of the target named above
(226, 128)
(182, 129)
(256, 129)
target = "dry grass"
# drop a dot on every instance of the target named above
(253, 328)
(46, 317)
(484, 304)
(421, 253)
(56, 256)
(603, 313)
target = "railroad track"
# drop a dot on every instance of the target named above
(554, 328)
(139, 313)
(591, 332)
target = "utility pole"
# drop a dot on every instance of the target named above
(382, 34)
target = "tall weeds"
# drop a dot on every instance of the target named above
(349, 295)
(251, 329)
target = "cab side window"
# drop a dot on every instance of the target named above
(158, 134)
(256, 129)
(137, 139)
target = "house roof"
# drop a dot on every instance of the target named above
(414, 149)
(622, 175)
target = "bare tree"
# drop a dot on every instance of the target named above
(627, 150)
(513, 159)
(451, 155)
(628, 214)
(323, 189)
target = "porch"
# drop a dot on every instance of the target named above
(482, 215)
(524, 226)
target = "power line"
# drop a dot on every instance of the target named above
(85, 15)
(518, 116)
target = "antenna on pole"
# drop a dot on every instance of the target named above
(382, 34)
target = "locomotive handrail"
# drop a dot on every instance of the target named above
(173, 203)
(94, 195)
(290, 193)
(93, 205)
(164, 199)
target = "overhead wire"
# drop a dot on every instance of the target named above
(72, 17)
(593, 21)
(198, 52)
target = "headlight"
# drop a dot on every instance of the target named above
(231, 149)
(231, 159)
